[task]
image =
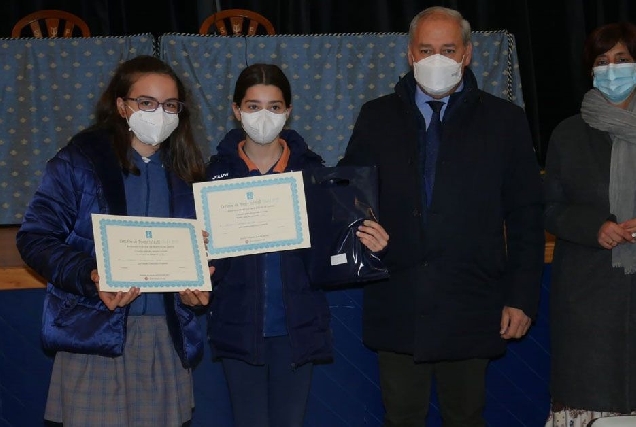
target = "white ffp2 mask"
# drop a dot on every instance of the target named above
(153, 127)
(263, 126)
(437, 74)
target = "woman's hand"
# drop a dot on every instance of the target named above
(196, 298)
(630, 227)
(112, 300)
(611, 234)
(373, 235)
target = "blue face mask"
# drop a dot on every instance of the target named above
(615, 81)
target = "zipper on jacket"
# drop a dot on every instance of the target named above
(181, 325)
(293, 365)
(259, 302)
(144, 306)
(147, 186)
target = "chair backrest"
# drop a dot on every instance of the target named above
(51, 19)
(237, 18)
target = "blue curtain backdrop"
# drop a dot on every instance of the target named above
(549, 36)
(48, 88)
(331, 77)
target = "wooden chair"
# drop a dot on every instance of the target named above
(51, 19)
(237, 18)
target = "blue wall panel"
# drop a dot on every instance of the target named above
(344, 393)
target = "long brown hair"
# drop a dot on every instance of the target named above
(179, 152)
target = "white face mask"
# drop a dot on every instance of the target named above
(263, 126)
(437, 74)
(153, 127)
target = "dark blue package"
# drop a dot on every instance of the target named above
(338, 200)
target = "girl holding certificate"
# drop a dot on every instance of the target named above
(267, 324)
(124, 358)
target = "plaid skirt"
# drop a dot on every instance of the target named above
(146, 386)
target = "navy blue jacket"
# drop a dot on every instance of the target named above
(56, 240)
(235, 323)
(452, 266)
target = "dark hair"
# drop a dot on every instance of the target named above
(179, 152)
(262, 74)
(606, 37)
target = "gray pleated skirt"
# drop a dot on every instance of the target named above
(145, 387)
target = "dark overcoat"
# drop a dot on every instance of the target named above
(592, 304)
(451, 270)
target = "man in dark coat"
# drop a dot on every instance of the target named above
(462, 201)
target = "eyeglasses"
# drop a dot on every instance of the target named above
(147, 103)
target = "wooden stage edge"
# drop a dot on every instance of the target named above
(13, 278)
(15, 275)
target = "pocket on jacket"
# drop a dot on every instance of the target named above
(79, 324)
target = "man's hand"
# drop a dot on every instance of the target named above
(514, 323)
(373, 235)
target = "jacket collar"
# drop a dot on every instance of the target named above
(405, 89)
(97, 146)
(281, 163)
(299, 152)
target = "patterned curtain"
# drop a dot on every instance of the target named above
(48, 88)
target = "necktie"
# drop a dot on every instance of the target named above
(433, 139)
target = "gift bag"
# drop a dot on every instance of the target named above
(338, 200)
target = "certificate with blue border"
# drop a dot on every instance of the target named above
(153, 254)
(253, 215)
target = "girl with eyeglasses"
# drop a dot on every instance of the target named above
(124, 358)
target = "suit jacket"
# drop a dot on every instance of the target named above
(452, 269)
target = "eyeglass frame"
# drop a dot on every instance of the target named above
(181, 104)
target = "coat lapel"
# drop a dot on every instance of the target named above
(108, 170)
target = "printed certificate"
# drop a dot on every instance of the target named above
(153, 254)
(253, 215)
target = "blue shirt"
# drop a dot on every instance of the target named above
(274, 312)
(147, 194)
(425, 109)
(421, 98)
